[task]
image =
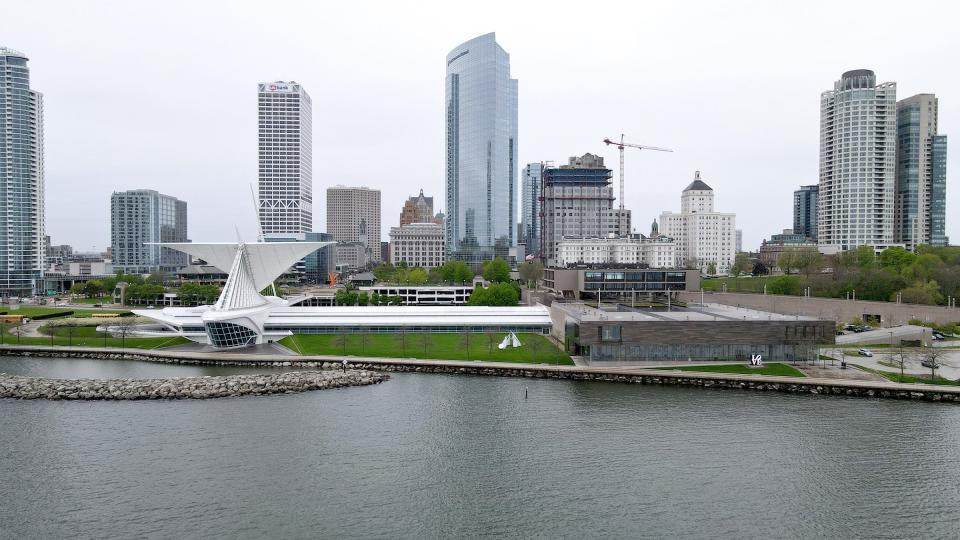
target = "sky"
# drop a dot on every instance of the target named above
(163, 95)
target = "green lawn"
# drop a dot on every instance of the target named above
(735, 284)
(774, 368)
(87, 336)
(907, 378)
(438, 347)
(33, 311)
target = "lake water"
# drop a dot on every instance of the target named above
(439, 456)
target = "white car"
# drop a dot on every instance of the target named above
(864, 352)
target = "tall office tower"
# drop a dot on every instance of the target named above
(578, 203)
(921, 173)
(417, 209)
(285, 135)
(739, 240)
(703, 235)
(481, 109)
(805, 211)
(140, 217)
(858, 140)
(530, 206)
(21, 179)
(353, 215)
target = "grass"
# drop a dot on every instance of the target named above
(774, 368)
(87, 336)
(438, 347)
(33, 311)
(735, 284)
(907, 378)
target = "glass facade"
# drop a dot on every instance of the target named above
(634, 281)
(228, 335)
(530, 207)
(21, 178)
(938, 192)
(140, 218)
(805, 211)
(481, 150)
(921, 173)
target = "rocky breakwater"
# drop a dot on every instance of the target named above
(18, 387)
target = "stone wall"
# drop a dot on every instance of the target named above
(18, 387)
(838, 387)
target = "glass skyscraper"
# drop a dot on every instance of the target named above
(805, 211)
(21, 178)
(858, 140)
(921, 173)
(481, 151)
(530, 207)
(139, 218)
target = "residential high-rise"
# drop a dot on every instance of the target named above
(417, 209)
(578, 203)
(805, 211)
(417, 244)
(921, 174)
(858, 139)
(481, 150)
(285, 136)
(21, 179)
(530, 207)
(704, 236)
(140, 218)
(739, 242)
(353, 215)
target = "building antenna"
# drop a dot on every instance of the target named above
(256, 213)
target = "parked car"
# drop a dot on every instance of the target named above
(929, 364)
(864, 352)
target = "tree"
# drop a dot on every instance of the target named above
(933, 355)
(124, 326)
(18, 330)
(808, 261)
(896, 258)
(455, 272)
(491, 338)
(363, 298)
(920, 293)
(712, 268)
(760, 269)
(77, 289)
(531, 272)
(384, 272)
(417, 276)
(364, 335)
(465, 341)
(534, 345)
(423, 340)
(785, 261)
(497, 294)
(866, 257)
(402, 339)
(789, 285)
(900, 356)
(340, 340)
(496, 271)
(741, 264)
(70, 326)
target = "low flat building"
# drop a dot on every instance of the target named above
(452, 295)
(708, 332)
(636, 249)
(617, 282)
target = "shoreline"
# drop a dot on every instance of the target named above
(632, 375)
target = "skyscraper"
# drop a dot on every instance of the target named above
(353, 215)
(285, 136)
(481, 150)
(140, 218)
(921, 173)
(578, 203)
(21, 178)
(418, 209)
(858, 138)
(704, 236)
(530, 206)
(805, 211)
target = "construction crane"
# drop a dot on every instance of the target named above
(621, 145)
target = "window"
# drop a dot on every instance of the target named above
(610, 333)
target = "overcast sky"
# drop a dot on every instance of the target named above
(164, 96)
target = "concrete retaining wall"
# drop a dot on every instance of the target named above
(795, 385)
(838, 309)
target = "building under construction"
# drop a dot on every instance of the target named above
(577, 201)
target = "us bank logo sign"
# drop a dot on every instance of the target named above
(279, 88)
(756, 360)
